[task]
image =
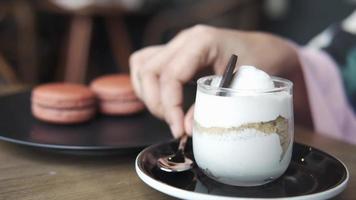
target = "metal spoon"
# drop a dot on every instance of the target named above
(178, 162)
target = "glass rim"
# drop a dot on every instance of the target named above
(288, 85)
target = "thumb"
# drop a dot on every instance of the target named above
(188, 121)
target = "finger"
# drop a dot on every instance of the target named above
(147, 82)
(188, 120)
(180, 70)
(137, 61)
(149, 87)
(172, 99)
(165, 55)
(150, 91)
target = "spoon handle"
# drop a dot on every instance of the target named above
(179, 156)
(182, 142)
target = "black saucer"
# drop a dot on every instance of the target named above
(312, 174)
(101, 135)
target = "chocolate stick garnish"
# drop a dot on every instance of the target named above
(228, 73)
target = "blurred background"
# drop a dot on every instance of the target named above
(77, 40)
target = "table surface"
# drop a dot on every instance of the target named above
(31, 174)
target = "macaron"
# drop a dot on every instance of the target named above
(63, 103)
(116, 95)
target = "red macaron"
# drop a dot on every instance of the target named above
(116, 95)
(63, 103)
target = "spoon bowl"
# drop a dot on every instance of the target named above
(177, 162)
(168, 166)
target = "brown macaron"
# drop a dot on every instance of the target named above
(116, 95)
(63, 103)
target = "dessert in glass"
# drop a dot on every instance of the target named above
(243, 135)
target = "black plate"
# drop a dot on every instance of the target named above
(312, 174)
(103, 133)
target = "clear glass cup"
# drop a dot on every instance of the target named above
(243, 137)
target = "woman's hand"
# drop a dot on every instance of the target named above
(159, 72)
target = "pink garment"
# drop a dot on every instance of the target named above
(332, 115)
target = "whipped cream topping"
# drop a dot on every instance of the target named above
(250, 78)
(235, 109)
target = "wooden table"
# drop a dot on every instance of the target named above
(29, 174)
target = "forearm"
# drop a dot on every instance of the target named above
(331, 113)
